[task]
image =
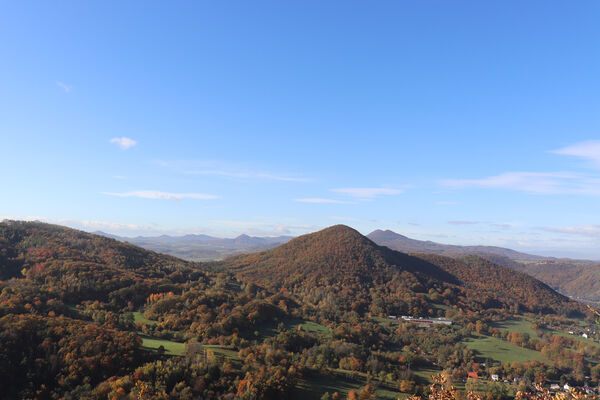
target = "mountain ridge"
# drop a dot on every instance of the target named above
(400, 242)
(578, 279)
(339, 259)
(201, 247)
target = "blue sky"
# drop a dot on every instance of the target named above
(462, 122)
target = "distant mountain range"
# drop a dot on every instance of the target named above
(398, 242)
(339, 260)
(202, 247)
(579, 279)
(75, 304)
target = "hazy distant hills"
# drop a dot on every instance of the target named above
(576, 278)
(347, 270)
(202, 247)
(398, 242)
(68, 298)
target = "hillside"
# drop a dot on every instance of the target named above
(72, 308)
(365, 275)
(202, 247)
(398, 242)
(85, 316)
(31, 242)
(76, 266)
(578, 279)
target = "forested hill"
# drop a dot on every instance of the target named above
(347, 270)
(202, 247)
(578, 279)
(87, 317)
(25, 244)
(75, 266)
(398, 242)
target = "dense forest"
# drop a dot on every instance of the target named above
(83, 316)
(575, 278)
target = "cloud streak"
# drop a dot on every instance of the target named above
(589, 150)
(265, 228)
(561, 182)
(156, 195)
(123, 142)
(588, 230)
(532, 182)
(317, 200)
(367, 193)
(247, 175)
(64, 86)
(227, 170)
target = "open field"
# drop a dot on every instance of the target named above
(269, 330)
(178, 349)
(172, 348)
(577, 338)
(314, 386)
(139, 317)
(502, 351)
(521, 325)
(222, 350)
(426, 374)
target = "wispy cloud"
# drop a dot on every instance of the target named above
(214, 168)
(561, 182)
(502, 226)
(153, 194)
(64, 86)
(248, 175)
(589, 150)
(345, 219)
(264, 228)
(588, 230)
(317, 200)
(123, 142)
(533, 182)
(94, 225)
(364, 193)
(464, 222)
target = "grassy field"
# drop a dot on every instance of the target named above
(502, 351)
(426, 374)
(314, 386)
(521, 325)
(172, 348)
(139, 317)
(229, 353)
(178, 349)
(576, 338)
(269, 330)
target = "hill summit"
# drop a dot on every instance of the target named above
(350, 271)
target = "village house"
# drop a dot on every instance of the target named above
(495, 377)
(427, 321)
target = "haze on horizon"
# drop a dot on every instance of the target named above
(463, 123)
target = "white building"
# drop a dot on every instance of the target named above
(495, 377)
(427, 321)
